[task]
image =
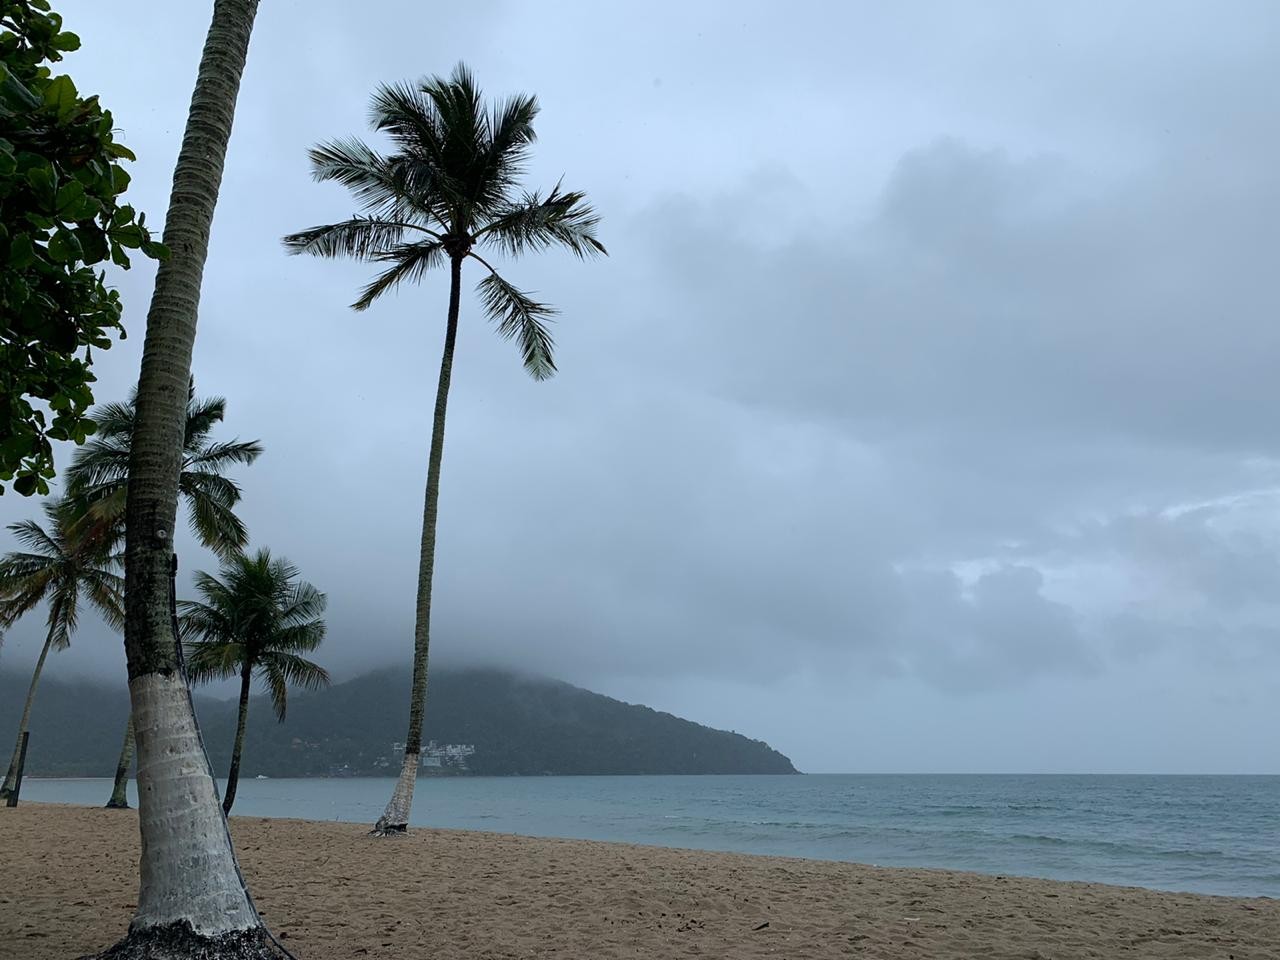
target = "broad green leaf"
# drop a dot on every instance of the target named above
(64, 247)
(21, 252)
(70, 199)
(61, 95)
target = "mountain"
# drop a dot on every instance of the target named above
(517, 725)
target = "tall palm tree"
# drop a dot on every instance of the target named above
(99, 477)
(257, 620)
(447, 191)
(58, 568)
(192, 899)
(99, 471)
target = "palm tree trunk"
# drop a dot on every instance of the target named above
(11, 778)
(120, 790)
(233, 776)
(192, 899)
(395, 819)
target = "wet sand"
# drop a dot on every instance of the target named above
(68, 885)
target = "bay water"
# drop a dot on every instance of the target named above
(1210, 834)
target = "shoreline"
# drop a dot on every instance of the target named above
(333, 892)
(640, 845)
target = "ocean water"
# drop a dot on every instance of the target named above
(1218, 835)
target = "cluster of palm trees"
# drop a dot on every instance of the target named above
(257, 618)
(446, 195)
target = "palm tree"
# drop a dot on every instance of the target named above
(447, 191)
(99, 471)
(192, 899)
(256, 621)
(99, 478)
(59, 568)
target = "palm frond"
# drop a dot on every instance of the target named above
(383, 186)
(301, 603)
(16, 568)
(216, 612)
(512, 131)
(216, 525)
(360, 238)
(505, 152)
(101, 464)
(410, 116)
(64, 614)
(101, 517)
(518, 316)
(407, 114)
(20, 597)
(106, 593)
(361, 169)
(113, 420)
(277, 689)
(462, 122)
(409, 262)
(218, 456)
(32, 535)
(203, 414)
(300, 638)
(282, 670)
(535, 223)
(208, 660)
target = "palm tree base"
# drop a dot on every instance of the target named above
(114, 804)
(178, 941)
(384, 829)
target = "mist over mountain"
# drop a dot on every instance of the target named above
(516, 725)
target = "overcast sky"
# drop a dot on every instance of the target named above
(923, 417)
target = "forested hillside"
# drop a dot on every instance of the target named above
(517, 725)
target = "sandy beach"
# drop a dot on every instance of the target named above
(330, 891)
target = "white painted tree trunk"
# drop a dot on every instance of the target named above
(189, 872)
(395, 818)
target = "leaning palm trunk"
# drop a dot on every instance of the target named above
(192, 900)
(395, 819)
(233, 776)
(120, 789)
(11, 778)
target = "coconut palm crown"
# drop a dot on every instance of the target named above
(257, 620)
(99, 471)
(448, 190)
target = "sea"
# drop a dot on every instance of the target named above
(1203, 834)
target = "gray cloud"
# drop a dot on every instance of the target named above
(920, 419)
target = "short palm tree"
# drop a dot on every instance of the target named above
(61, 564)
(446, 192)
(99, 479)
(99, 471)
(257, 620)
